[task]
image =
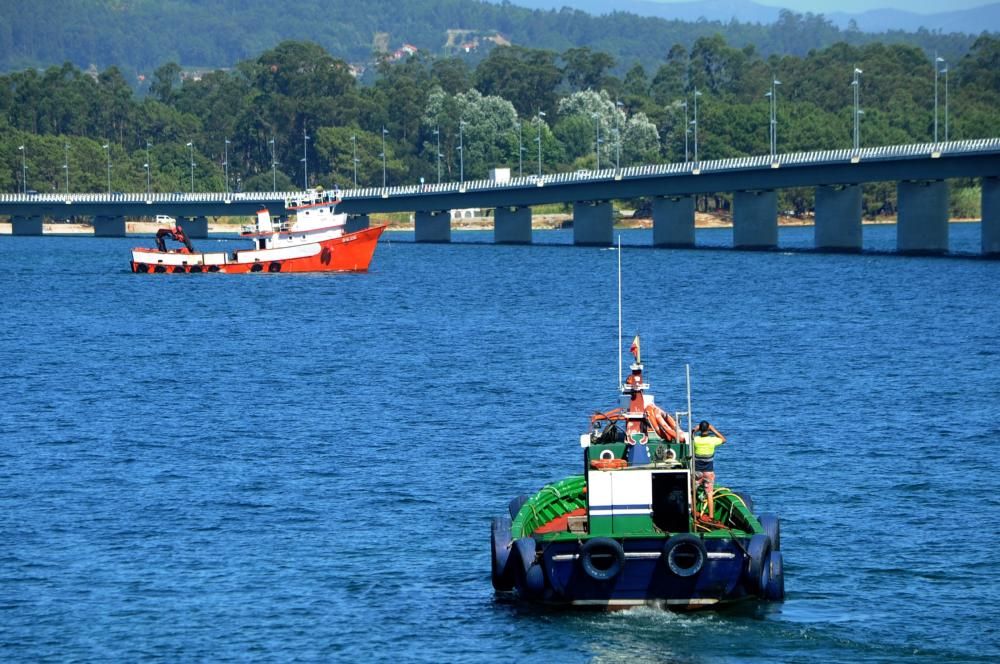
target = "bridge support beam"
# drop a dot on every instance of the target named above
(922, 224)
(26, 225)
(592, 223)
(512, 225)
(755, 220)
(838, 218)
(991, 216)
(673, 221)
(357, 222)
(196, 228)
(109, 226)
(433, 226)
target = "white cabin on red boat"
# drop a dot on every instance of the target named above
(315, 220)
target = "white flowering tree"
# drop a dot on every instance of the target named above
(484, 127)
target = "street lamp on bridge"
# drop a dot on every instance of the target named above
(107, 149)
(856, 84)
(538, 139)
(618, 135)
(354, 158)
(24, 169)
(937, 62)
(66, 167)
(695, 124)
(520, 151)
(772, 95)
(945, 72)
(274, 167)
(437, 135)
(461, 151)
(149, 168)
(687, 130)
(597, 138)
(384, 132)
(305, 157)
(225, 163)
(190, 146)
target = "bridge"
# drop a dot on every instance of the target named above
(921, 172)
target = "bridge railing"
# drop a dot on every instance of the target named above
(815, 157)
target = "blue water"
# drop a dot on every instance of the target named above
(274, 467)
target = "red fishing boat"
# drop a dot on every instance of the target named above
(312, 240)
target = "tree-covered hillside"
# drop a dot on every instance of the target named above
(138, 35)
(515, 101)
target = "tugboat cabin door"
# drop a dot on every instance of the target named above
(670, 501)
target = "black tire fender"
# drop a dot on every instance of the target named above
(772, 579)
(757, 551)
(516, 504)
(500, 543)
(772, 528)
(602, 558)
(685, 554)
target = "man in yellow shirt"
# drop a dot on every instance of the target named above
(706, 438)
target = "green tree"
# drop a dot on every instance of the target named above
(525, 77)
(584, 69)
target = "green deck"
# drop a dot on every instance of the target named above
(560, 498)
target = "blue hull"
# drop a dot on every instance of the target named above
(681, 572)
(644, 578)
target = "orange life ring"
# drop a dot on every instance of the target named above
(608, 464)
(662, 423)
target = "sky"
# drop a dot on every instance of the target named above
(857, 6)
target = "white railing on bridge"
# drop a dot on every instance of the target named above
(820, 157)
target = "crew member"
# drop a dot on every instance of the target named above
(706, 438)
(177, 234)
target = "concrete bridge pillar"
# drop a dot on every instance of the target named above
(109, 226)
(196, 228)
(357, 222)
(26, 225)
(755, 220)
(991, 216)
(512, 225)
(838, 218)
(433, 226)
(592, 223)
(673, 221)
(922, 224)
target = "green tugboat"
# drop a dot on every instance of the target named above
(637, 528)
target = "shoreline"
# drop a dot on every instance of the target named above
(538, 223)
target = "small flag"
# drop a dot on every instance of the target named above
(634, 349)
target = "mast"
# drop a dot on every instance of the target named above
(620, 378)
(692, 483)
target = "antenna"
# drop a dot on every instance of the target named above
(687, 372)
(620, 379)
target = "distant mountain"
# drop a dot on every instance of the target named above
(969, 21)
(744, 11)
(140, 35)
